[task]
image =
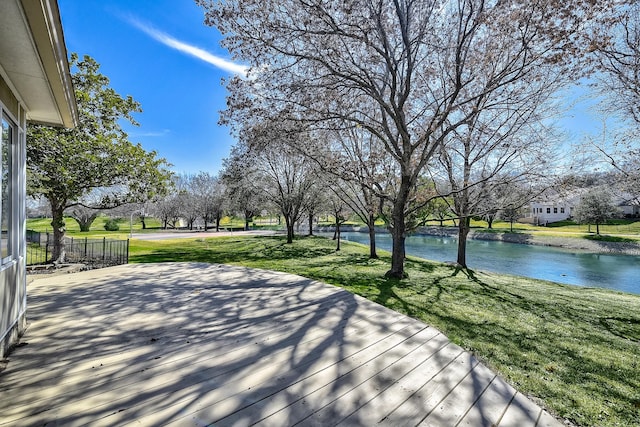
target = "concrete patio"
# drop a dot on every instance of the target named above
(200, 344)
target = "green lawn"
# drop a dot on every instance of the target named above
(561, 228)
(98, 231)
(576, 350)
(97, 228)
(628, 228)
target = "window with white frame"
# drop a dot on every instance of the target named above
(9, 138)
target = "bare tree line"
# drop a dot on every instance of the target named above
(461, 90)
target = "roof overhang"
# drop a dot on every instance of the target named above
(33, 57)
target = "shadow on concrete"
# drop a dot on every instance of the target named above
(213, 344)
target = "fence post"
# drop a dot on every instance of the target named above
(127, 252)
(104, 248)
(85, 248)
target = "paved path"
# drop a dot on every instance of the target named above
(198, 344)
(167, 235)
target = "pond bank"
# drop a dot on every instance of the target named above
(531, 238)
(574, 243)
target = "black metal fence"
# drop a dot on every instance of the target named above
(96, 252)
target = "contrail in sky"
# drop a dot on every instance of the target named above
(188, 49)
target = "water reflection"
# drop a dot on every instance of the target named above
(620, 272)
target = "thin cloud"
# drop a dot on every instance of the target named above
(150, 134)
(188, 49)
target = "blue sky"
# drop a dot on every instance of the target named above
(161, 53)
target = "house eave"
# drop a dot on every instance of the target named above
(34, 61)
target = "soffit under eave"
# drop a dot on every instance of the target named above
(48, 35)
(33, 57)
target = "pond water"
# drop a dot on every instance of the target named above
(619, 272)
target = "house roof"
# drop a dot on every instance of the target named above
(33, 60)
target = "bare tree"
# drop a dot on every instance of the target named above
(408, 72)
(241, 193)
(283, 176)
(89, 207)
(340, 212)
(616, 150)
(287, 181)
(84, 216)
(618, 59)
(358, 170)
(360, 200)
(495, 150)
(167, 210)
(208, 192)
(595, 207)
(511, 214)
(617, 83)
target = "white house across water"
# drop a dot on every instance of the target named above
(545, 212)
(35, 86)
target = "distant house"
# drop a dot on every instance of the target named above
(559, 208)
(35, 85)
(552, 208)
(542, 213)
(629, 205)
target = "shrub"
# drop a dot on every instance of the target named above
(111, 225)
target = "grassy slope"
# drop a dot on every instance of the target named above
(576, 350)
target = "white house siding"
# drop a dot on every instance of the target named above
(35, 85)
(13, 291)
(630, 210)
(544, 213)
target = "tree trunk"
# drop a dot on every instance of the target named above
(144, 224)
(463, 231)
(217, 223)
(337, 233)
(397, 252)
(398, 231)
(289, 223)
(310, 224)
(247, 217)
(598, 228)
(490, 222)
(373, 254)
(84, 219)
(57, 222)
(85, 223)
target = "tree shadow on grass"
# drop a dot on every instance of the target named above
(229, 250)
(505, 320)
